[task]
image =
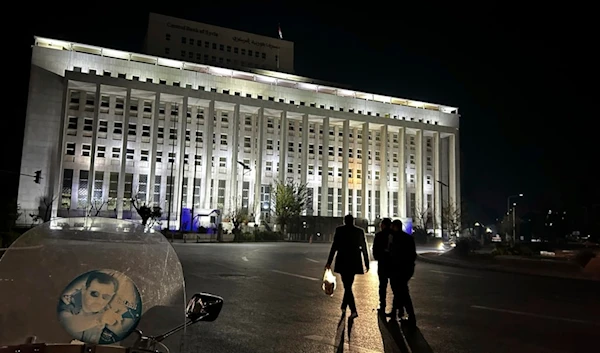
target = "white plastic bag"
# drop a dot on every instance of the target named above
(329, 282)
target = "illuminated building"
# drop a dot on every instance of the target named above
(106, 125)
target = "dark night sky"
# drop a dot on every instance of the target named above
(517, 74)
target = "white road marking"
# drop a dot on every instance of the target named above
(455, 274)
(535, 315)
(244, 258)
(347, 347)
(312, 260)
(296, 275)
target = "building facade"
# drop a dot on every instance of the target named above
(106, 126)
(179, 39)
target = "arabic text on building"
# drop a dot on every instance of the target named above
(193, 29)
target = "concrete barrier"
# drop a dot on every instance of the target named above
(593, 267)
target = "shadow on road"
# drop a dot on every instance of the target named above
(393, 341)
(406, 339)
(415, 340)
(339, 335)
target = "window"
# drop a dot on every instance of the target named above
(183, 40)
(86, 150)
(222, 162)
(72, 125)
(142, 187)
(103, 126)
(269, 166)
(158, 156)
(168, 36)
(101, 151)
(223, 139)
(248, 143)
(116, 152)
(172, 156)
(146, 131)
(199, 136)
(88, 124)
(144, 155)
(131, 131)
(269, 144)
(130, 153)
(70, 150)
(67, 188)
(118, 128)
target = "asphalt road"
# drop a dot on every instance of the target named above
(274, 303)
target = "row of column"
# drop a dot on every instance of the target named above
(233, 164)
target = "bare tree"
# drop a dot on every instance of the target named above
(422, 217)
(44, 209)
(96, 206)
(150, 214)
(451, 217)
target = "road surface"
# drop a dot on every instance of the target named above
(274, 303)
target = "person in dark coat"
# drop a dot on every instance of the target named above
(350, 245)
(382, 253)
(403, 255)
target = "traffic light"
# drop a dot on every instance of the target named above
(38, 176)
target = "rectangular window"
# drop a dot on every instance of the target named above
(156, 191)
(184, 192)
(142, 187)
(127, 194)
(86, 150)
(82, 191)
(113, 185)
(67, 189)
(98, 184)
(221, 194)
(197, 192)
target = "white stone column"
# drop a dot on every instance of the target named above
(419, 140)
(181, 128)
(152, 156)
(305, 134)
(208, 153)
(345, 149)
(454, 168)
(259, 164)
(232, 193)
(402, 174)
(365, 169)
(92, 169)
(437, 207)
(383, 175)
(59, 173)
(283, 137)
(325, 164)
(125, 135)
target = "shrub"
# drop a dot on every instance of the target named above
(267, 236)
(463, 246)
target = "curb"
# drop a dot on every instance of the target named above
(499, 269)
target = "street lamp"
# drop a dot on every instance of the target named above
(245, 168)
(508, 212)
(442, 200)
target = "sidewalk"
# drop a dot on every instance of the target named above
(511, 264)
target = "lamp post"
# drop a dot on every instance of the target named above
(245, 169)
(442, 200)
(513, 210)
